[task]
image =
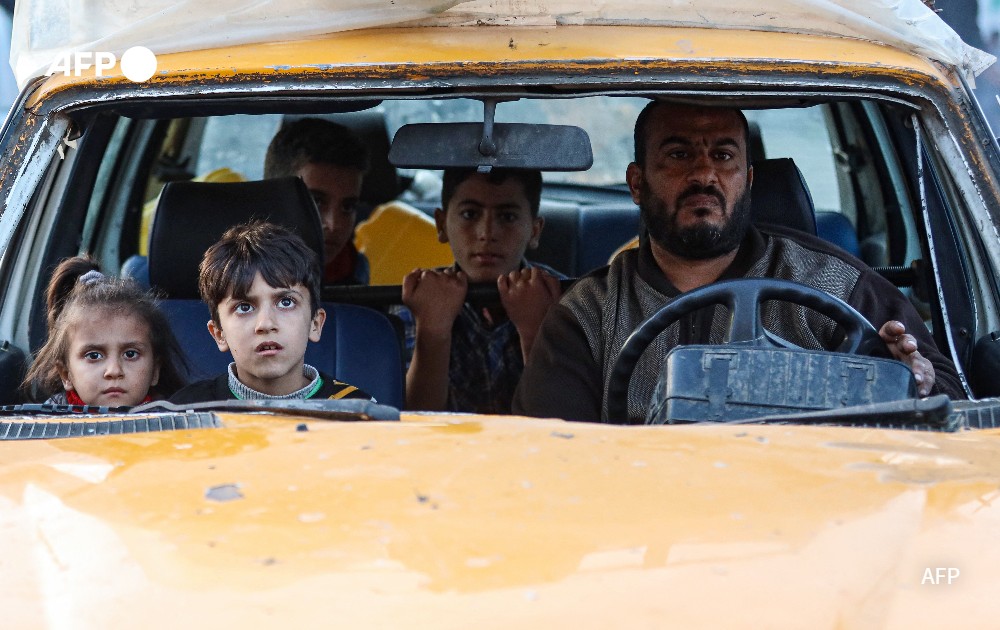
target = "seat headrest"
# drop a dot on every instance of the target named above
(191, 216)
(779, 196)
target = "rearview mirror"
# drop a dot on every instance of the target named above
(510, 145)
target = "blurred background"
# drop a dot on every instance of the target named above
(8, 88)
(978, 23)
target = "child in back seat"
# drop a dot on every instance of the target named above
(108, 343)
(332, 162)
(467, 358)
(261, 284)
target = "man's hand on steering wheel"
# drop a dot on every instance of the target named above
(903, 347)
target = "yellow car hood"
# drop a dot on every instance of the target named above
(454, 521)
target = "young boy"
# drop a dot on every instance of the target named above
(332, 161)
(465, 359)
(261, 283)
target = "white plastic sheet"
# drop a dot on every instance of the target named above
(44, 30)
(906, 24)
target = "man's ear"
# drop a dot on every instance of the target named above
(634, 178)
(750, 177)
(219, 335)
(537, 224)
(440, 220)
(316, 325)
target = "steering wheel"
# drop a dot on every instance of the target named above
(743, 298)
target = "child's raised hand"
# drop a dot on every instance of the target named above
(526, 295)
(435, 297)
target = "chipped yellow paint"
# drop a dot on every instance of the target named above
(461, 521)
(437, 49)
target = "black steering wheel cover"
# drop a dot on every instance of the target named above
(743, 298)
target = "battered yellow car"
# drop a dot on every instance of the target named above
(320, 514)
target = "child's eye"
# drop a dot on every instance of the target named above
(93, 355)
(286, 302)
(131, 355)
(468, 214)
(243, 307)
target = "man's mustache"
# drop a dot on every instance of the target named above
(695, 189)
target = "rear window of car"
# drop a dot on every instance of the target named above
(239, 142)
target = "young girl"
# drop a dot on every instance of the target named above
(108, 344)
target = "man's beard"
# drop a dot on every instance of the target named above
(699, 242)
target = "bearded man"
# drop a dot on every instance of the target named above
(692, 180)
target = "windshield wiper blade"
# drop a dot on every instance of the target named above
(326, 409)
(934, 413)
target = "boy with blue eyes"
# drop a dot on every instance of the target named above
(261, 283)
(466, 358)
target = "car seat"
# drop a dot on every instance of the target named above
(137, 265)
(780, 196)
(358, 345)
(838, 229)
(578, 238)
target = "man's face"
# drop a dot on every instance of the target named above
(489, 226)
(110, 361)
(694, 189)
(336, 190)
(267, 332)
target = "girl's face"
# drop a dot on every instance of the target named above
(110, 360)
